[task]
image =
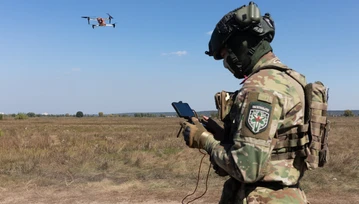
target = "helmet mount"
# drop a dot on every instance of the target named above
(241, 20)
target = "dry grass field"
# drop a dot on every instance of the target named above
(138, 160)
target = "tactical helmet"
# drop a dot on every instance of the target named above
(242, 19)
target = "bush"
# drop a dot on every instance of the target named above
(1, 116)
(31, 114)
(100, 114)
(348, 113)
(21, 116)
(79, 114)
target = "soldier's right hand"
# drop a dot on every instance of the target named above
(195, 135)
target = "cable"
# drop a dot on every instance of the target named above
(199, 171)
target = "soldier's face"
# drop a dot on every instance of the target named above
(224, 54)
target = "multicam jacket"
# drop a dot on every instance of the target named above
(270, 99)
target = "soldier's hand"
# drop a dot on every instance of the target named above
(195, 134)
(213, 127)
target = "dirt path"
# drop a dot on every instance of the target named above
(92, 193)
(104, 194)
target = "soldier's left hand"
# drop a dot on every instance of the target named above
(195, 134)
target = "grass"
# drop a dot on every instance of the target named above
(342, 171)
(144, 152)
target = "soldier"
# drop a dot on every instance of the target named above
(261, 146)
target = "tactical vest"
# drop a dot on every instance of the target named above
(308, 140)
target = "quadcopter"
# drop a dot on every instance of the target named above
(101, 21)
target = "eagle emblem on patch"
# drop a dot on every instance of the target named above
(258, 116)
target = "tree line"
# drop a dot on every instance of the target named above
(80, 114)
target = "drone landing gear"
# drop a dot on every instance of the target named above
(110, 25)
(107, 25)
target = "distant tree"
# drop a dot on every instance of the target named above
(67, 115)
(100, 114)
(1, 116)
(348, 113)
(162, 115)
(21, 116)
(79, 114)
(142, 115)
(31, 114)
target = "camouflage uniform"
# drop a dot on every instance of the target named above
(270, 99)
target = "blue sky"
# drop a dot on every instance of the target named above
(52, 61)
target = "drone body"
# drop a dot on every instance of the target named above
(101, 21)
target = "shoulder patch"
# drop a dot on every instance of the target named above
(258, 116)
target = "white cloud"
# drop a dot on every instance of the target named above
(209, 32)
(178, 53)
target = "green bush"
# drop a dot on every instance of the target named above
(1, 116)
(21, 116)
(31, 114)
(100, 114)
(348, 113)
(79, 114)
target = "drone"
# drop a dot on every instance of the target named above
(101, 21)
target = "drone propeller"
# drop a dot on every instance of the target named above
(109, 17)
(88, 18)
